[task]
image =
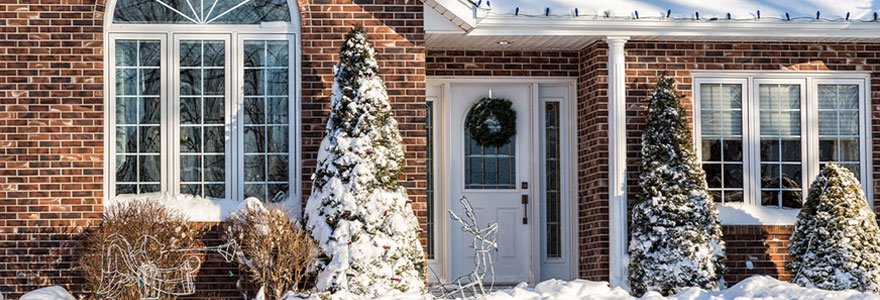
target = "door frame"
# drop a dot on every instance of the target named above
(442, 262)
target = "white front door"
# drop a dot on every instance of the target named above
(495, 180)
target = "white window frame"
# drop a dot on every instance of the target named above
(750, 212)
(233, 35)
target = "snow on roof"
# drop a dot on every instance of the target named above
(828, 10)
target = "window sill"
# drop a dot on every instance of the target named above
(746, 214)
(195, 209)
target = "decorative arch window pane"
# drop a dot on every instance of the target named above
(200, 11)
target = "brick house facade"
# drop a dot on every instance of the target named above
(52, 107)
(53, 102)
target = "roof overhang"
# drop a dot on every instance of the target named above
(462, 13)
(676, 28)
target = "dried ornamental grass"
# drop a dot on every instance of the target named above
(273, 251)
(132, 222)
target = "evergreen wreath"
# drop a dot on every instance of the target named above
(492, 122)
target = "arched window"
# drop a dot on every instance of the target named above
(202, 98)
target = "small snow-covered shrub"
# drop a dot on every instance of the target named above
(836, 242)
(676, 234)
(273, 251)
(105, 263)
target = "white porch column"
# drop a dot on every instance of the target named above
(617, 159)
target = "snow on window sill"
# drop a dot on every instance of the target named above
(747, 214)
(196, 209)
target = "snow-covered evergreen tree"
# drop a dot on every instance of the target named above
(676, 236)
(358, 212)
(836, 242)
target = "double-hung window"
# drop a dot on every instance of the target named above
(763, 138)
(202, 99)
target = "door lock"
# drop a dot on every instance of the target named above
(525, 203)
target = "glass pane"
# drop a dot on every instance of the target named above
(190, 111)
(126, 82)
(215, 81)
(781, 143)
(126, 140)
(149, 112)
(201, 11)
(215, 168)
(481, 166)
(203, 133)
(266, 115)
(253, 111)
(713, 175)
(839, 134)
(711, 150)
(278, 166)
(721, 135)
(214, 111)
(138, 114)
(190, 54)
(255, 190)
(733, 176)
(126, 168)
(150, 139)
(126, 110)
(190, 168)
(254, 139)
(277, 192)
(214, 53)
(278, 137)
(254, 168)
(190, 139)
(215, 139)
(191, 189)
(126, 53)
(429, 163)
(149, 168)
(277, 53)
(277, 110)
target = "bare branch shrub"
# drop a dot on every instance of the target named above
(273, 251)
(134, 222)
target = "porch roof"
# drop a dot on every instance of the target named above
(555, 23)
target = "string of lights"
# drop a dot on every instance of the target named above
(695, 16)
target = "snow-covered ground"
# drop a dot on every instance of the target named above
(753, 288)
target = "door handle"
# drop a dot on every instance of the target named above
(525, 203)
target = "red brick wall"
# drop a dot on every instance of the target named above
(592, 154)
(502, 63)
(51, 122)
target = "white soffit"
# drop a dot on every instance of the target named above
(440, 41)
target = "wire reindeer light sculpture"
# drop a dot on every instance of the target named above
(124, 264)
(483, 243)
